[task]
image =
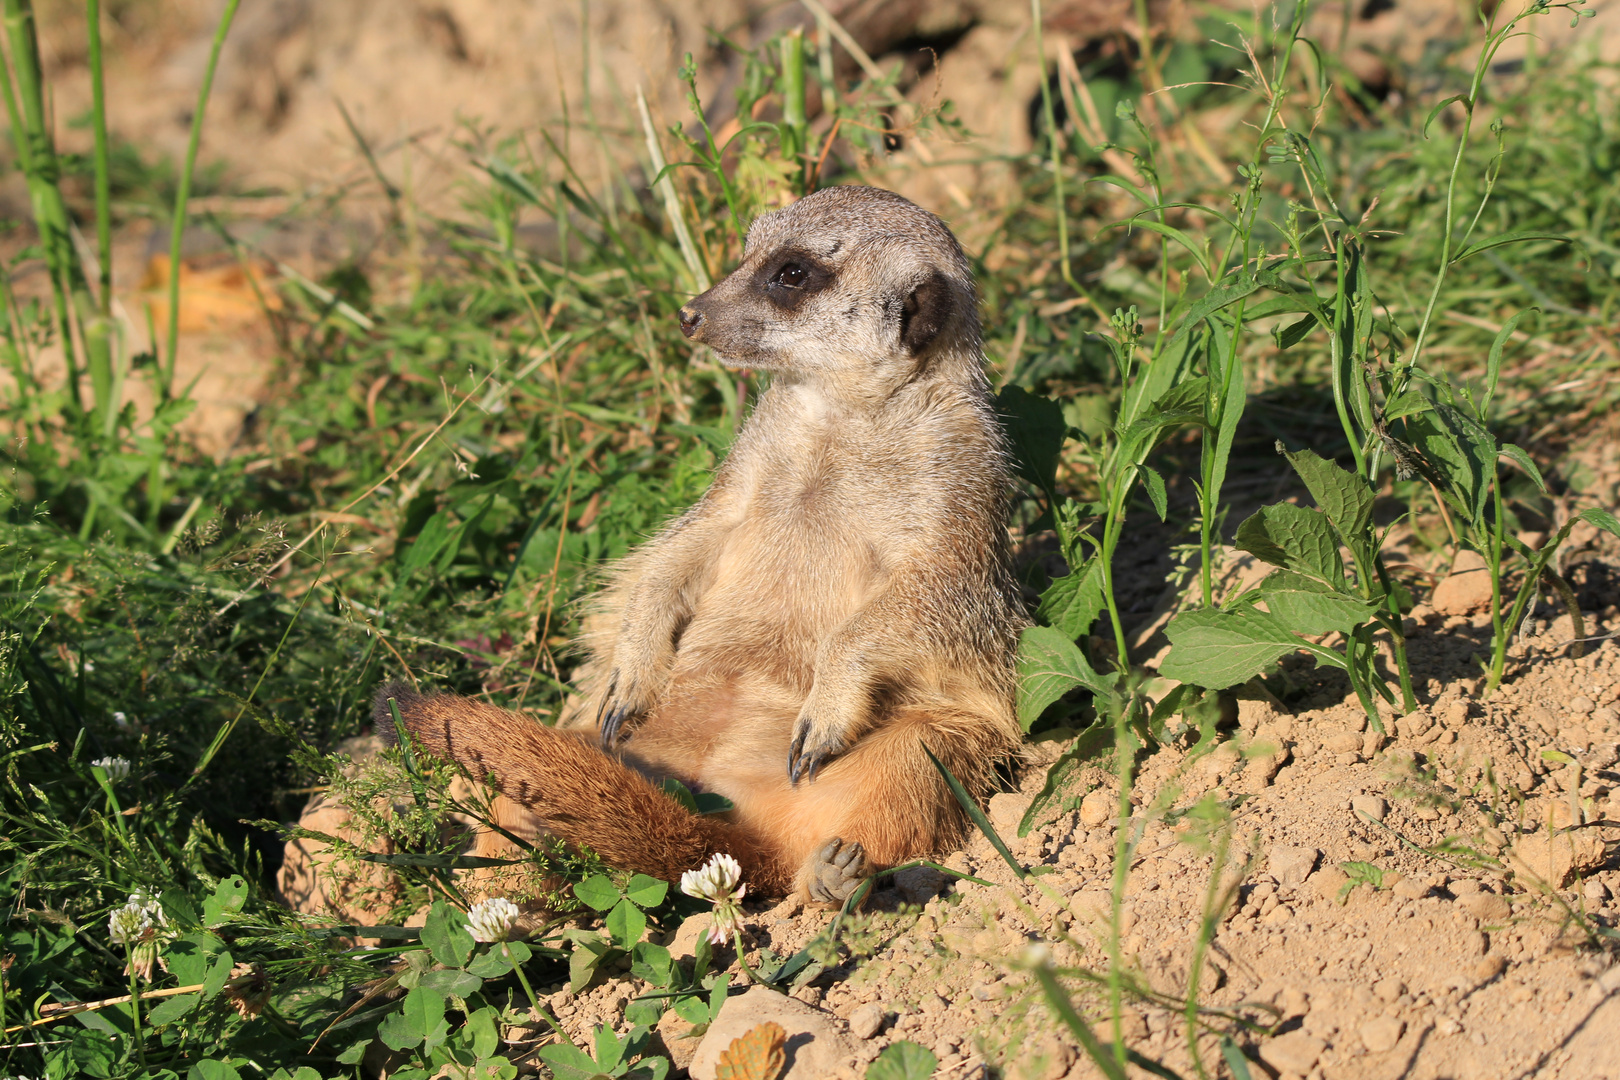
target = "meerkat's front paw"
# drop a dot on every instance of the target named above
(813, 743)
(621, 705)
(836, 871)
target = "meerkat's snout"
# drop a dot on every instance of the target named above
(691, 321)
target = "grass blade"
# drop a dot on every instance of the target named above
(976, 815)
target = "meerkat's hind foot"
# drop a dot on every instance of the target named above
(837, 870)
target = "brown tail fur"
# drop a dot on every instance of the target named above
(581, 794)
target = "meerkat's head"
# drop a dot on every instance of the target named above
(847, 283)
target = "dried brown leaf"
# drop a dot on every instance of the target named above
(760, 1054)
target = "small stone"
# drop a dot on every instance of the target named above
(1345, 742)
(1328, 881)
(919, 884)
(1388, 990)
(1486, 907)
(1372, 806)
(1291, 865)
(1410, 888)
(1295, 1052)
(1607, 717)
(1380, 1035)
(1414, 725)
(1455, 714)
(1553, 859)
(1581, 705)
(1278, 915)
(1097, 808)
(819, 1048)
(1595, 891)
(1007, 811)
(866, 1021)
(1489, 968)
(1466, 589)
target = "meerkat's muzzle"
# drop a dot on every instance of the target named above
(691, 320)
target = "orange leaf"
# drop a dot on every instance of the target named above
(758, 1055)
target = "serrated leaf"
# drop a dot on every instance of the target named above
(1216, 649)
(759, 1054)
(1073, 602)
(1294, 538)
(1036, 429)
(598, 892)
(903, 1060)
(445, 934)
(1461, 451)
(646, 892)
(625, 924)
(1049, 666)
(1344, 497)
(1154, 484)
(1312, 607)
(1517, 455)
(167, 1012)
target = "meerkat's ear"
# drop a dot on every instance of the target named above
(925, 313)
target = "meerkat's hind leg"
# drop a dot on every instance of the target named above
(837, 870)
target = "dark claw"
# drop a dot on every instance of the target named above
(802, 766)
(611, 723)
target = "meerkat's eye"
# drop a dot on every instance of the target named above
(791, 275)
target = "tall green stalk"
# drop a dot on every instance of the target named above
(183, 196)
(98, 329)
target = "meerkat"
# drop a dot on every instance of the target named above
(839, 599)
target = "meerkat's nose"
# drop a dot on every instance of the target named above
(691, 319)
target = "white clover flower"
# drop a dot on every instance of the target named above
(121, 719)
(117, 767)
(715, 881)
(134, 921)
(492, 920)
(719, 881)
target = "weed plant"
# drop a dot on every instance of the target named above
(183, 641)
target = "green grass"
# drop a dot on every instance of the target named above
(448, 475)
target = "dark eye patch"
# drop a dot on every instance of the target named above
(792, 277)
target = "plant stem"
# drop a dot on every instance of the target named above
(183, 196)
(1054, 149)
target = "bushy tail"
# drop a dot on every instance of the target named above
(584, 796)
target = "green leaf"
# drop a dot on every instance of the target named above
(1217, 649)
(1036, 430)
(1222, 296)
(568, 1062)
(213, 1070)
(188, 956)
(598, 892)
(1462, 451)
(482, 1033)
(1344, 497)
(1154, 483)
(490, 965)
(679, 792)
(1232, 1054)
(1049, 666)
(178, 907)
(694, 1010)
(1439, 107)
(1509, 238)
(1493, 361)
(625, 924)
(420, 1021)
(451, 982)
(437, 862)
(1294, 538)
(710, 802)
(975, 814)
(903, 1061)
(646, 892)
(1601, 519)
(1073, 602)
(1294, 333)
(167, 1012)
(229, 897)
(1181, 404)
(1306, 606)
(219, 973)
(445, 934)
(590, 949)
(1522, 460)
(652, 963)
